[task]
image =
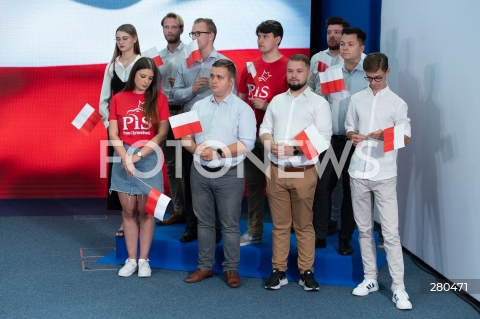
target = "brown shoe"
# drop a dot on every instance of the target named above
(199, 274)
(172, 219)
(233, 279)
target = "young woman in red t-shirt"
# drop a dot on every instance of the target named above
(138, 125)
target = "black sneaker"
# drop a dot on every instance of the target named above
(277, 279)
(308, 282)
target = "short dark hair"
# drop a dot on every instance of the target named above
(271, 26)
(224, 63)
(177, 17)
(374, 62)
(301, 58)
(211, 27)
(337, 20)
(361, 35)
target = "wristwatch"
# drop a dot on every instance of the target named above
(295, 151)
(139, 154)
(220, 152)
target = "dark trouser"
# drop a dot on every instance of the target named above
(322, 204)
(113, 202)
(187, 160)
(255, 191)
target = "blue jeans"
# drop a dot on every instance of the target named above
(227, 193)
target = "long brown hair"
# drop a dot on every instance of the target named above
(150, 110)
(130, 29)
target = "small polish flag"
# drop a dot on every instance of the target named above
(192, 53)
(87, 119)
(185, 124)
(332, 81)
(322, 67)
(251, 69)
(311, 142)
(157, 204)
(153, 54)
(393, 138)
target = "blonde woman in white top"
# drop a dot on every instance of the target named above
(127, 52)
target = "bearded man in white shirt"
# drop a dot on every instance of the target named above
(372, 170)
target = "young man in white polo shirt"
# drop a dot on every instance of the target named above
(372, 170)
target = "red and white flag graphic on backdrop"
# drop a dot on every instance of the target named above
(322, 67)
(192, 53)
(157, 203)
(393, 138)
(185, 124)
(332, 81)
(154, 55)
(87, 119)
(311, 142)
(251, 69)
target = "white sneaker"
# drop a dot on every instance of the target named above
(129, 268)
(144, 268)
(248, 239)
(366, 286)
(400, 298)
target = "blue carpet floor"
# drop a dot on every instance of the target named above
(49, 270)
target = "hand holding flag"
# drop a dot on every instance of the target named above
(185, 124)
(393, 138)
(87, 119)
(154, 55)
(192, 53)
(156, 204)
(332, 81)
(311, 142)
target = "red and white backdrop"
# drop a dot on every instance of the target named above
(52, 59)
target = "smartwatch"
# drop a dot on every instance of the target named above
(220, 152)
(295, 151)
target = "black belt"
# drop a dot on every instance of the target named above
(217, 169)
(175, 107)
(340, 137)
(295, 168)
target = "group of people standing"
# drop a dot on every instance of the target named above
(260, 116)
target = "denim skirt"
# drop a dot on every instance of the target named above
(148, 172)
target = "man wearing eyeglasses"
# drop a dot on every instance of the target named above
(172, 56)
(352, 45)
(270, 68)
(370, 112)
(191, 85)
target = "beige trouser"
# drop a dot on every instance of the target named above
(292, 199)
(385, 192)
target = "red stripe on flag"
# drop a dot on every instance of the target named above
(158, 61)
(306, 146)
(194, 56)
(90, 123)
(152, 200)
(333, 86)
(388, 138)
(322, 67)
(187, 129)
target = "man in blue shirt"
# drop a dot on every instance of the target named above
(229, 128)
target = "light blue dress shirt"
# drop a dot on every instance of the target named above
(171, 62)
(182, 90)
(225, 123)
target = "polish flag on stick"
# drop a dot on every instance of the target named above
(153, 54)
(393, 138)
(157, 204)
(86, 119)
(332, 81)
(185, 124)
(322, 67)
(192, 53)
(251, 69)
(311, 142)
